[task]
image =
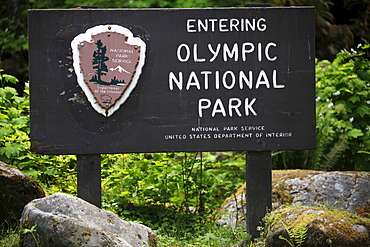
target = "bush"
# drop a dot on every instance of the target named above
(14, 121)
(188, 180)
(342, 116)
(343, 92)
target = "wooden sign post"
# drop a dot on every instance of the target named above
(258, 189)
(171, 80)
(89, 178)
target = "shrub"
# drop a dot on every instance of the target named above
(343, 92)
(342, 117)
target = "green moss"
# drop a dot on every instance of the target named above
(280, 194)
(152, 240)
(282, 175)
(343, 226)
(324, 223)
(79, 242)
(86, 233)
(55, 223)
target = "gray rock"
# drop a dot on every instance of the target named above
(233, 212)
(16, 190)
(348, 191)
(65, 221)
(344, 190)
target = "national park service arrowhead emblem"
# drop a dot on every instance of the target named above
(108, 61)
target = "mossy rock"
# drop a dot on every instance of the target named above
(315, 227)
(344, 190)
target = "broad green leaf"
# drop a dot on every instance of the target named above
(329, 90)
(33, 173)
(10, 79)
(364, 75)
(354, 99)
(8, 93)
(11, 149)
(13, 112)
(354, 133)
(121, 171)
(51, 171)
(358, 83)
(4, 132)
(363, 110)
(340, 108)
(342, 124)
(363, 93)
(124, 193)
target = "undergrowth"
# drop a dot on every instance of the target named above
(9, 235)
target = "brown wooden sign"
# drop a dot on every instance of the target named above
(163, 80)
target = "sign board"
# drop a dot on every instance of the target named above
(165, 80)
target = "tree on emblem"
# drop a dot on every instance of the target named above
(99, 60)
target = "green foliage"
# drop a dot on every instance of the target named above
(342, 117)
(209, 236)
(295, 228)
(297, 234)
(13, 24)
(176, 227)
(32, 231)
(14, 123)
(343, 92)
(173, 193)
(10, 39)
(7, 79)
(57, 173)
(196, 180)
(9, 235)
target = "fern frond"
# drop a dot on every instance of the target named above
(321, 137)
(286, 240)
(332, 157)
(289, 230)
(301, 235)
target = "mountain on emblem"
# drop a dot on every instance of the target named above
(120, 69)
(108, 61)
